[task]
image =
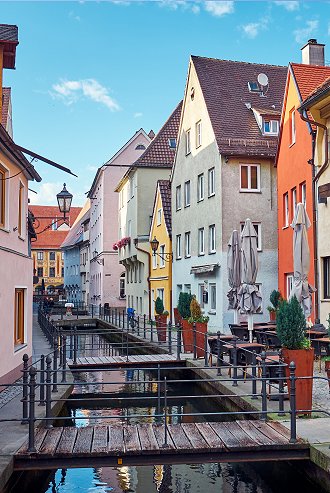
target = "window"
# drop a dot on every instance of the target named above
(160, 294)
(129, 227)
(54, 224)
(140, 147)
(187, 288)
(257, 228)
(292, 121)
(162, 258)
(294, 201)
(211, 176)
(188, 147)
(187, 246)
(51, 255)
(187, 194)
(200, 294)
(289, 285)
(62, 272)
(20, 209)
(51, 271)
(200, 187)
(154, 261)
(213, 297)
(212, 244)
(270, 127)
(172, 143)
(285, 210)
(198, 134)
(40, 255)
(2, 197)
(250, 178)
(303, 193)
(253, 86)
(201, 242)
(122, 292)
(326, 277)
(178, 197)
(19, 316)
(159, 217)
(40, 271)
(178, 246)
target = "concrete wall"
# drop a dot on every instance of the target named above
(72, 277)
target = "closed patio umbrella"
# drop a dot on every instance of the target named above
(301, 260)
(250, 299)
(234, 271)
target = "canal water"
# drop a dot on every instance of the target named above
(126, 389)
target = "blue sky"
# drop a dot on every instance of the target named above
(89, 74)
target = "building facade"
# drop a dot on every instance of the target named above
(107, 276)
(136, 199)
(224, 173)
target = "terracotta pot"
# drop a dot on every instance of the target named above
(177, 316)
(187, 336)
(327, 369)
(201, 330)
(304, 360)
(161, 326)
(272, 316)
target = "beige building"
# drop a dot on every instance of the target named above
(136, 199)
(318, 105)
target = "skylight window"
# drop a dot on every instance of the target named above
(253, 86)
(270, 127)
(172, 143)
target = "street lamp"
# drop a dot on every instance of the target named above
(99, 261)
(167, 257)
(64, 199)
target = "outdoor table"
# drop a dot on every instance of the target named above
(316, 334)
(321, 347)
(212, 340)
(244, 352)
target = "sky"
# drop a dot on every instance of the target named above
(89, 74)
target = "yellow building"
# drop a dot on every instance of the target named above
(161, 263)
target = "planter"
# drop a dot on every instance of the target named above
(327, 370)
(272, 316)
(177, 316)
(161, 326)
(201, 330)
(304, 360)
(187, 336)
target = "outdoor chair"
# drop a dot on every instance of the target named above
(241, 332)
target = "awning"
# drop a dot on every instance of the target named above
(202, 269)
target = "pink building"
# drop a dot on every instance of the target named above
(16, 269)
(107, 276)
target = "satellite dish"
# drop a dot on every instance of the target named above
(262, 79)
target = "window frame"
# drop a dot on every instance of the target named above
(212, 228)
(20, 223)
(187, 244)
(42, 272)
(326, 278)
(49, 272)
(201, 241)
(211, 173)
(303, 192)
(294, 200)
(198, 128)
(3, 189)
(200, 187)
(162, 258)
(178, 198)
(178, 246)
(213, 287)
(52, 259)
(154, 261)
(258, 233)
(187, 194)
(159, 216)
(286, 210)
(19, 316)
(249, 166)
(289, 280)
(40, 255)
(271, 131)
(188, 141)
(292, 120)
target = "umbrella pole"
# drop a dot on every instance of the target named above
(250, 326)
(235, 317)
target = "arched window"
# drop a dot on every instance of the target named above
(140, 147)
(122, 293)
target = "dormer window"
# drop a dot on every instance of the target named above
(140, 147)
(253, 86)
(172, 143)
(270, 127)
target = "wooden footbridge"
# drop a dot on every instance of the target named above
(117, 444)
(135, 361)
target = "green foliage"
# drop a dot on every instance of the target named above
(195, 309)
(275, 299)
(184, 304)
(291, 324)
(159, 306)
(166, 313)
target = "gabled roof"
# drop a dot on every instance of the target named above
(159, 154)
(224, 84)
(9, 40)
(5, 105)
(165, 193)
(75, 235)
(309, 77)
(317, 93)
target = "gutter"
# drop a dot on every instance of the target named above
(136, 242)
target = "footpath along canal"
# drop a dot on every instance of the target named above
(132, 396)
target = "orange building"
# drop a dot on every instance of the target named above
(294, 168)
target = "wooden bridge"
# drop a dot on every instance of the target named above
(147, 360)
(117, 444)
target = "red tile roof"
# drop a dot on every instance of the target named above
(9, 40)
(225, 88)
(158, 153)
(319, 90)
(165, 193)
(5, 105)
(49, 239)
(309, 77)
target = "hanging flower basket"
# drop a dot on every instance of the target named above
(115, 247)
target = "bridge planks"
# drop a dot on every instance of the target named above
(132, 360)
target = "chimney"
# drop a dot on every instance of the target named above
(313, 53)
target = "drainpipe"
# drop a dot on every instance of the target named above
(136, 242)
(315, 179)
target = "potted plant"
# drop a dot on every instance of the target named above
(201, 326)
(161, 320)
(290, 326)
(187, 328)
(275, 299)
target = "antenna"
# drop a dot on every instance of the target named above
(262, 79)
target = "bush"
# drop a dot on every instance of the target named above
(184, 304)
(159, 306)
(195, 309)
(275, 299)
(291, 324)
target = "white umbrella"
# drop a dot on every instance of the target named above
(301, 260)
(250, 299)
(234, 271)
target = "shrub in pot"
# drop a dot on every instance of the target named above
(187, 328)
(291, 326)
(161, 320)
(275, 299)
(200, 321)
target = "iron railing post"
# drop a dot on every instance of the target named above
(158, 389)
(55, 366)
(32, 396)
(42, 381)
(293, 410)
(64, 358)
(281, 390)
(127, 344)
(235, 384)
(219, 362)
(206, 360)
(254, 375)
(25, 388)
(178, 343)
(144, 326)
(169, 337)
(92, 311)
(75, 344)
(165, 412)
(151, 333)
(263, 386)
(48, 389)
(194, 341)
(138, 325)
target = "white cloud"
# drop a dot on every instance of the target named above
(46, 194)
(289, 5)
(75, 17)
(252, 29)
(191, 5)
(90, 167)
(138, 114)
(70, 91)
(302, 35)
(218, 8)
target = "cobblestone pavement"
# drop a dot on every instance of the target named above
(9, 393)
(321, 391)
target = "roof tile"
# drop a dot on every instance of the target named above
(165, 193)
(309, 77)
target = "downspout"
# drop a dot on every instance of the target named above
(315, 179)
(136, 241)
